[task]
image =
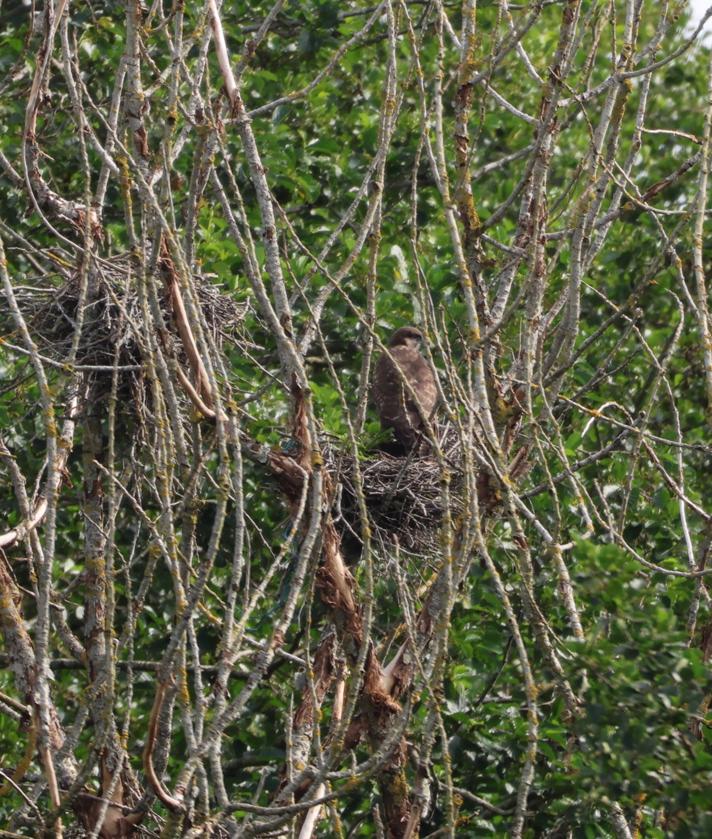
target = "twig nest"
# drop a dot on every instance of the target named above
(113, 327)
(403, 495)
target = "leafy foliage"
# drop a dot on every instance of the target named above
(596, 494)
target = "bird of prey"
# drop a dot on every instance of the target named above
(396, 406)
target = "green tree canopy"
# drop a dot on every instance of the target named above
(231, 604)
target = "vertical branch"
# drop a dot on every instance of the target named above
(703, 315)
(469, 219)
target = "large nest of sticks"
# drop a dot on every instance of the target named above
(113, 323)
(403, 495)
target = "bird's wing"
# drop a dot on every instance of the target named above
(386, 389)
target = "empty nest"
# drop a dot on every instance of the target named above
(113, 331)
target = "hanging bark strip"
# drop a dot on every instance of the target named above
(173, 804)
(337, 590)
(202, 389)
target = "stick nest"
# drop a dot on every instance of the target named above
(403, 495)
(114, 330)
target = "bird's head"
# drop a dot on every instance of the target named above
(406, 336)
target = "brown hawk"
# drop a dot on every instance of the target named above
(396, 407)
